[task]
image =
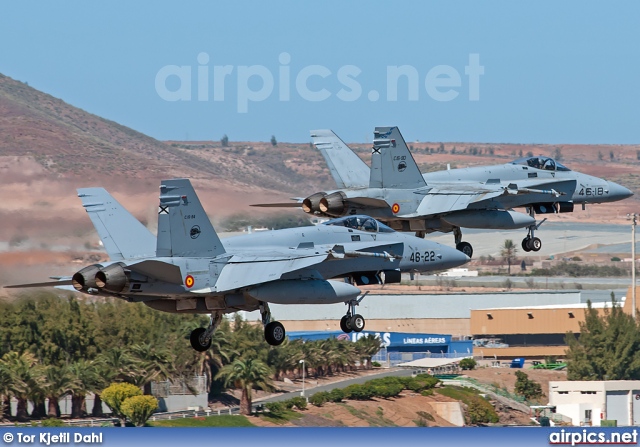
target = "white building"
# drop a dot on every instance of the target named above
(589, 402)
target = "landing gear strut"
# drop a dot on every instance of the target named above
(464, 247)
(274, 332)
(532, 243)
(201, 338)
(353, 322)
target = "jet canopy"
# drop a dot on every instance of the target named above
(545, 163)
(362, 223)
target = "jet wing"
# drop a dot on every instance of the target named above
(245, 270)
(446, 198)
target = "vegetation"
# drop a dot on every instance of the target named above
(52, 347)
(116, 395)
(479, 410)
(508, 253)
(580, 270)
(468, 364)
(209, 421)
(384, 388)
(608, 346)
(139, 409)
(247, 374)
(224, 141)
(527, 388)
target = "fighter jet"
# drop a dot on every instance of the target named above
(188, 269)
(395, 192)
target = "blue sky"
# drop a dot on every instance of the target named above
(554, 72)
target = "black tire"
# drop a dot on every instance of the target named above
(466, 248)
(345, 325)
(274, 333)
(535, 244)
(525, 244)
(196, 340)
(357, 323)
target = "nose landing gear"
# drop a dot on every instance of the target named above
(353, 322)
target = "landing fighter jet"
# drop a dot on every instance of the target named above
(395, 192)
(188, 269)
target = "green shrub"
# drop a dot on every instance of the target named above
(376, 364)
(481, 411)
(299, 402)
(115, 395)
(319, 399)
(53, 422)
(359, 392)
(335, 395)
(139, 409)
(387, 391)
(468, 364)
(529, 389)
(276, 409)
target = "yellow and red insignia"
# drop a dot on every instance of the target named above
(189, 281)
(395, 208)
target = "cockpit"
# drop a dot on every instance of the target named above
(544, 163)
(362, 223)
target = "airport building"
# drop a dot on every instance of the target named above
(590, 402)
(399, 347)
(504, 325)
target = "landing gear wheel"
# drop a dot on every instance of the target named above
(535, 244)
(345, 324)
(525, 244)
(197, 340)
(357, 323)
(274, 333)
(465, 247)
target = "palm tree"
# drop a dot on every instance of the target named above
(154, 364)
(6, 382)
(246, 374)
(367, 347)
(59, 382)
(508, 252)
(85, 380)
(26, 379)
(121, 364)
(190, 362)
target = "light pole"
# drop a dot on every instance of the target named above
(302, 392)
(633, 218)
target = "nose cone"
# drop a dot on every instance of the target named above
(451, 258)
(618, 192)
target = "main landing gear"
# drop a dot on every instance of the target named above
(201, 337)
(274, 332)
(353, 322)
(532, 243)
(464, 247)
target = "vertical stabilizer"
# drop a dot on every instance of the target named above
(392, 165)
(348, 170)
(122, 235)
(184, 229)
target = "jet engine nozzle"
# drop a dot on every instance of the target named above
(85, 278)
(113, 278)
(333, 204)
(311, 204)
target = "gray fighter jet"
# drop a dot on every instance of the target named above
(394, 191)
(187, 268)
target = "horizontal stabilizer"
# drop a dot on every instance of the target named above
(279, 205)
(62, 282)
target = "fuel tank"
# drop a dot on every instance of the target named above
(312, 291)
